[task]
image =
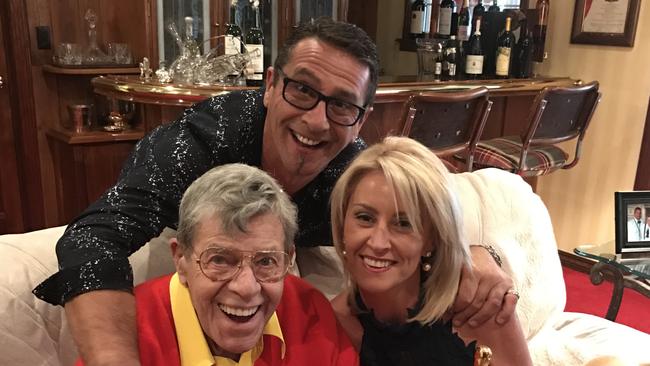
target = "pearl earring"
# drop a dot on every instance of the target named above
(344, 252)
(426, 267)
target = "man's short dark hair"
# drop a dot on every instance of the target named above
(345, 36)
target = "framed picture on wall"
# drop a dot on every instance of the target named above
(605, 22)
(632, 215)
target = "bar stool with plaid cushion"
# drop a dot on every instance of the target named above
(448, 122)
(558, 114)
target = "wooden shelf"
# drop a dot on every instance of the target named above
(53, 69)
(93, 136)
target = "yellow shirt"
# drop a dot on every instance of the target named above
(192, 345)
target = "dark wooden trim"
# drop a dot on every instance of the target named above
(575, 262)
(625, 39)
(23, 109)
(582, 264)
(642, 181)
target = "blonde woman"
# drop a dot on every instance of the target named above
(395, 224)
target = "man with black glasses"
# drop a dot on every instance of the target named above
(302, 129)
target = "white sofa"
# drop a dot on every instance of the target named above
(499, 208)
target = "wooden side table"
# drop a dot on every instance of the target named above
(633, 273)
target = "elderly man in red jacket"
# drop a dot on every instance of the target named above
(231, 301)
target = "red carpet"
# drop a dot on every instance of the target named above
(584, 297)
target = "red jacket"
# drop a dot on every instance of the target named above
(311, 332)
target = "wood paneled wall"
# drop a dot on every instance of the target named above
(16, 45)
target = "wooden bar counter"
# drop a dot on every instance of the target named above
(88, 162)
(512, 99)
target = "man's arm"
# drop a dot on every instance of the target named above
(481, 292)
(95, 277)
(103, 326)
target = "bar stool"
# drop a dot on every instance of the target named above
(558, 114)
(448, 122)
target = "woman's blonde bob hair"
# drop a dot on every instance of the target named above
(423, 186)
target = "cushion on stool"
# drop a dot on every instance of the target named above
(505, 152)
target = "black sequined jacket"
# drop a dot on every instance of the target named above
(93, 253)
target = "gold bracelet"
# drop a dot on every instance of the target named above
(490, 249)
(482, 356)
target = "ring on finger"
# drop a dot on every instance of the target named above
(513, 292)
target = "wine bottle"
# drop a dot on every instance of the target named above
(505, 43)
(494, 8)
(438, 59)
(233, 35)
(474, 59)
(542, 7)
(418, 9)
(524, 53)
(477, 13)
(451, 59)
(233, 32)
(463, 22)
(255, 45)
(447, 7)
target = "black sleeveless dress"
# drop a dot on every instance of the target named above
(411, 343)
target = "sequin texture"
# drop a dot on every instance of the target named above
(93, 252)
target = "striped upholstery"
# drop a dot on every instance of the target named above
(505, 152)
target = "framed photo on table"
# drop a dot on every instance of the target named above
(632, 215)
(605, 22)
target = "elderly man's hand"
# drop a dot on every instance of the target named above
(482, 292)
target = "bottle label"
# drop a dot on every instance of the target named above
(417, 22)
(474, 64)
(503, 60)
(256, 66)
(452, 69)
(444, 21)
(463, 33)
(438, 69)
(232, 45)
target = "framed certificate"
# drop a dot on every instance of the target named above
(605, 22)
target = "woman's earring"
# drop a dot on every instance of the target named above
(344, 252)
(426, 267)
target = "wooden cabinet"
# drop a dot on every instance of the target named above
(85, 162)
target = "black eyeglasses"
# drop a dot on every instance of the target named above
(221, 264)
(307, 98)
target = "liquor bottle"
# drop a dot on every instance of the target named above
(233, 35)
(451, 59)
(539, 36)
(505, 43)
(418, 9)
(255, 45)
(427, 17)
(447, 7)
(494, 8)
(523, 62)
(474, 59)
(438, 59)
(463, 22)
(477, 14)
(233, 32)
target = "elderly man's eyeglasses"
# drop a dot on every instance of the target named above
(306, 98)
(221, 264)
